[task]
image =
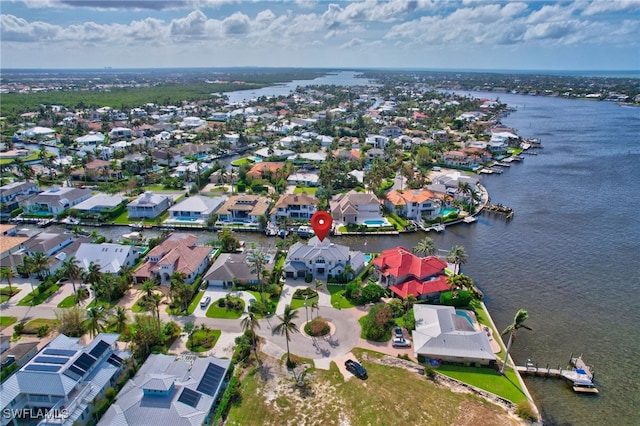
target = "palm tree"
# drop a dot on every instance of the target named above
(458, 256)
(7, 274)
(93, 277)
(147, 287)
(40, 264)
(425, 246)
(72, 271)
(287, 327)
(154, 302)
(409, 301)
(96, 318)
(518, 323)
(120, 319)
(250, 322)
(256, 260)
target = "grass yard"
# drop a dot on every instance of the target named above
(32, 326)
(67, 302)
(488, 379)
(242, 161)
(36, 298)
(203, 340)
(7, 321)
(338, 301)
(306, 190)
(5, 294)
(139, 306)
(275, 400)
(216, 311)
(299, 303)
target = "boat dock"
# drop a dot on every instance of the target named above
(578, 373)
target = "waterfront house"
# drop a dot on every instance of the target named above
(274, 154)
(90, 141)
(229, 269)
(178, 253)
(413, 204)
(404, 273)
(304, 179)
(294, 206)
(323, 259)
(99, 203)
(444, 334)
(355, 207)
(110, 257)
(195, 209)
(171, 390)
(148, 206)
(65, 378)
(245, 209)
(265, 170)
(56, 200)
(14, 195)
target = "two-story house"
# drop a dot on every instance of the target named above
(56, 200)
(413, 204)
(148, 205)
(322, 259)
(294, 206)
(245, 209)
(356, 207)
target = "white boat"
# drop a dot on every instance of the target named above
(469, 219)
(132, 236)
(439, 227)
(304, 231)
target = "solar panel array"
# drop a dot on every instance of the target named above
(189, 397)
(71, 374)
(99, 349)
(84, 362)
(115, 360)
(211, 379)
(76, 370)
(51, 360)
(59, 352)
(43, 367)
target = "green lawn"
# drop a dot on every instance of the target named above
(35, 298)
(5, 295)
(307, 190)
(203, 340)
(7, 321)
(488, 379)
(67, 302)
(139, 306)
(357, 402)
(215, 311)
(242, 161)
(299, 303)
(338, 301)
(32, 326)
(123, 219)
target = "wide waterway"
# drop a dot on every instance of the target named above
(570, 256)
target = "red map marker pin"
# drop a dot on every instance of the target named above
(321, 223)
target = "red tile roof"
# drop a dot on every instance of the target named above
(400, 262)
(418, 288)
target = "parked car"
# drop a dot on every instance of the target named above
(397, 331)
(205, 302)
(401, 342)
(356, 369)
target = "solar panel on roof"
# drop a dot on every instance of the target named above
(211, 379)
(63, 352)
(69, 373)
(115, 360)
(99, 349)
(42, 367)
(51, 360)
(85, 361)
(189, 397)
(77, 370)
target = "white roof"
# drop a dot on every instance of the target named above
(91, 138)
(198, 203)
(109, 256)
(100, 200)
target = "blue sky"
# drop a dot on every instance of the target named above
(462, 34)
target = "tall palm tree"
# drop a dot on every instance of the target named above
(40, 264)
(95, 323)
(93, 276)
(154, 302)
(256, 260)
(7, 274)
(147, 288)
(425, 246)
(458, 256)
(287, 327)
(120, 319)
(250, 322)
(72, 272)
(518, 323)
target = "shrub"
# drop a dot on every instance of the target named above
(303, 293)
(371, 293)
(525, 411)
(463, 299)
(308, 277)
(317, 327)
(18, 328)
(43, 330)
(377, 324)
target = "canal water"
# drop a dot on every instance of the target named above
(569, 256)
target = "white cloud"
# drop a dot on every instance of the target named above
(603, 6)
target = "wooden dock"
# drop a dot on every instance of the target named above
(578, 373)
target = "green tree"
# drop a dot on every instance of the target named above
(120, 319)
(71, 321)
(6, 274)
(518, 323)
(72, 272)
(93, 277)
(250, 323)
(40, 264)
(145, 335)
(147, 288)
(95, 321)
(256, 260)
(458, 256)
(425, 246)
(287, 327)
(228, 241)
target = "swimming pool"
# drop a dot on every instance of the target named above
(447, 211)
(367, 258)
(376, 222)
(185, 219)
(466, 316)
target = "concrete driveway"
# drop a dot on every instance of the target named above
(218, 293)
